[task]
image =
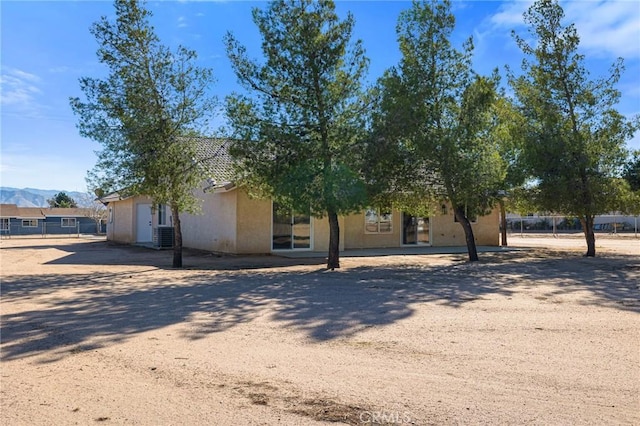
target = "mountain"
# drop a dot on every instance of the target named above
(32, 197)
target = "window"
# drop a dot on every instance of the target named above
(29, 223)
(4, 224)
(68, 222)
(377, 221)
(110, 214)
(162, 214)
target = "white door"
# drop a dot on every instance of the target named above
(143, 223)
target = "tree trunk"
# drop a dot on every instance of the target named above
(333, 261)
(468, 233)
(177, 238)
(503, 223)
(589, 235)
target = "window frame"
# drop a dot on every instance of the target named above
(30, 221)
(5, 223)
(62, 220)
(382, 218)
(162, 214)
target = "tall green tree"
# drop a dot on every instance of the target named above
(300, 123)
(151, 97)
(436, 118)
(62, 199)
(631, 171)
(575, 138)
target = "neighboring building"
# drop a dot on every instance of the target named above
(16, 220)
(232, 222)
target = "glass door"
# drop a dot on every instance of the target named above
(290, 231)
(415, 229)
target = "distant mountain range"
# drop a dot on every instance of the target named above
(31, 197)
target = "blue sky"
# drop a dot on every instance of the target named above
(46, 47)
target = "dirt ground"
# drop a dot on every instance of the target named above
(94, 333)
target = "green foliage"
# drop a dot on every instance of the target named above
(300, 130)
(574, 137)
(436, 121)
(632, 171)
(150, 98)
(139, 113)
(61, 199)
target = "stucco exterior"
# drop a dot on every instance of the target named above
(233, 222)
(215, 228)
(446, 232)
(121, 219)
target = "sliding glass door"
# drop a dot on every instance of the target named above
(290, 230)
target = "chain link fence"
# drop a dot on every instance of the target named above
(610, 224)
(50, 229)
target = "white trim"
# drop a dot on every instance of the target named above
(429, 244)
(75, 222)
(310, 248)
(30, 226)
(378, 215)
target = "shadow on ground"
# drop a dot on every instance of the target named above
(83, 311)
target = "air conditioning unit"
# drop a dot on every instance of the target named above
(163, 237)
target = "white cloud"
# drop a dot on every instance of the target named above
(606, 28)
(19, 89)
(182, 22)
(510, 14)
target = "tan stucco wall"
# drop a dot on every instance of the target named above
(121, 227)
(445, 231)
(356, 238)
(214, 229)
(321, 233)
(254, 224)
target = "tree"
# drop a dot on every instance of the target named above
(93, 208)
(632, 171)
(151, 98)
(435, 119)
(575, 139)
(299, 130)
(61, 199)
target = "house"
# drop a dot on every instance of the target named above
(233, 222)
(16, 220)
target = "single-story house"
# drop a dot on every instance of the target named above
(233, 222)
(16, 220)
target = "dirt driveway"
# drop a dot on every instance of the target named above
(100, 334)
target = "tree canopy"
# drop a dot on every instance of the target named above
(62, 199)
(574, 145)
(151, 97)
(300, 125)
(435, 120)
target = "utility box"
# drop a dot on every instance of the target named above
(163, 237)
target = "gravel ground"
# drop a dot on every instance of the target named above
(94, 333)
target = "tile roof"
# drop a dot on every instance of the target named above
(213, 154)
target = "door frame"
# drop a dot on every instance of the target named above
(139, 207)
(286, 250)
(417, 244)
